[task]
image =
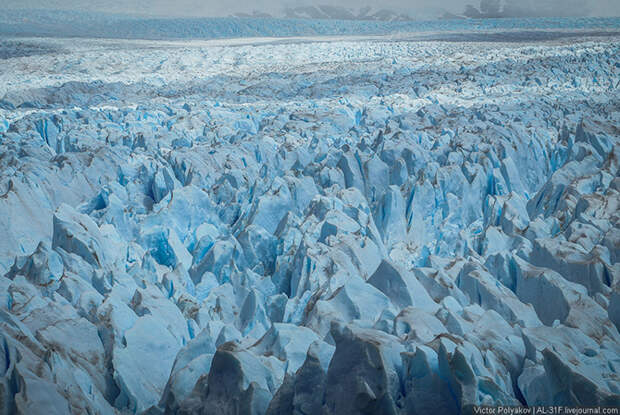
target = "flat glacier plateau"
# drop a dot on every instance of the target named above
(307, 226)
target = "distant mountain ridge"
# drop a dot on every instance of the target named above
(527, 8)
(328, 12)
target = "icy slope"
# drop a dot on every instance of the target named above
(338, 228)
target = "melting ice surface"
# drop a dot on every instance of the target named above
(308, 227)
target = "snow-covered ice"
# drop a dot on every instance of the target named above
(350, 226)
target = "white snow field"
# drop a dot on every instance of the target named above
(345, 226)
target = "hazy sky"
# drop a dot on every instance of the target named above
(223, 8)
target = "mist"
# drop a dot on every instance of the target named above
(414, 8)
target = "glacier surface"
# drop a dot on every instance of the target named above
(308, 227)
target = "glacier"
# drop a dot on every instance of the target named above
(309, 226)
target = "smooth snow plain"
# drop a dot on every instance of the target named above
(370, 225)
